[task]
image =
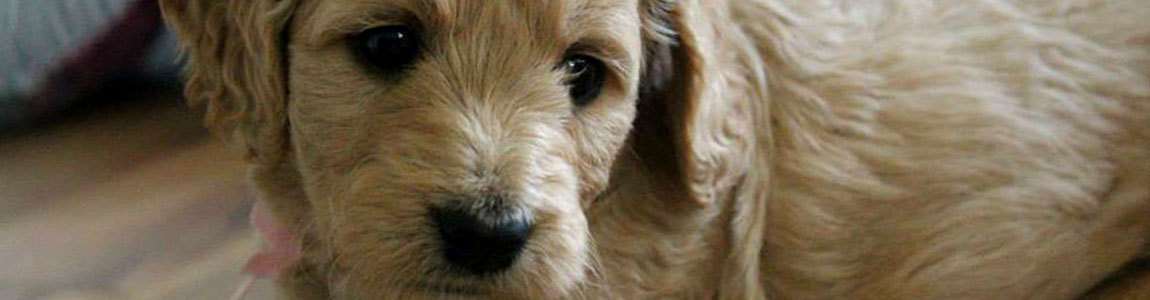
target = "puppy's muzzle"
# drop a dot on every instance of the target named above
(481, 242)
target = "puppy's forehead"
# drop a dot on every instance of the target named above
(541, 20)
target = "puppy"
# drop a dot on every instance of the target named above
(687, 149)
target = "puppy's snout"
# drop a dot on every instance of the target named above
(481, 244)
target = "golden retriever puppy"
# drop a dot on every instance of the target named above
(690, 149)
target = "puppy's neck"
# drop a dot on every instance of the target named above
(654, 241)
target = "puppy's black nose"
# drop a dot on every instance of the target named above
(479, 245)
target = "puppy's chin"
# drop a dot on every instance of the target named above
(440, 290)
(424, 290)
(521, 283)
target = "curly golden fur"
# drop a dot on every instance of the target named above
(757, 149)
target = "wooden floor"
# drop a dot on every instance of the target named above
(125, 199)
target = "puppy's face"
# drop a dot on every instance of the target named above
(451, 147)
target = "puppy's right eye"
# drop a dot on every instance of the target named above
(390, 48)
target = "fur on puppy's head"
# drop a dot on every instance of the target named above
(355, 160)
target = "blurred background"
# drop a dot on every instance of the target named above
(110, 188)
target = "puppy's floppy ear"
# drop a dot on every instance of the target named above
(682, 99)
(236, 68)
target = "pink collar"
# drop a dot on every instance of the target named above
(281, 246)
(281, 249)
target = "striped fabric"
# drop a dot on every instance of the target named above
(36, 34)
(53, 51)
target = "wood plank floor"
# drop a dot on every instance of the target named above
(127, 199)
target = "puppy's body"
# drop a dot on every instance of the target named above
(750, 149)
(982, 150)
(934, 151)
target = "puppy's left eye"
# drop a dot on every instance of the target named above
(390, 48)
(586, 78)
